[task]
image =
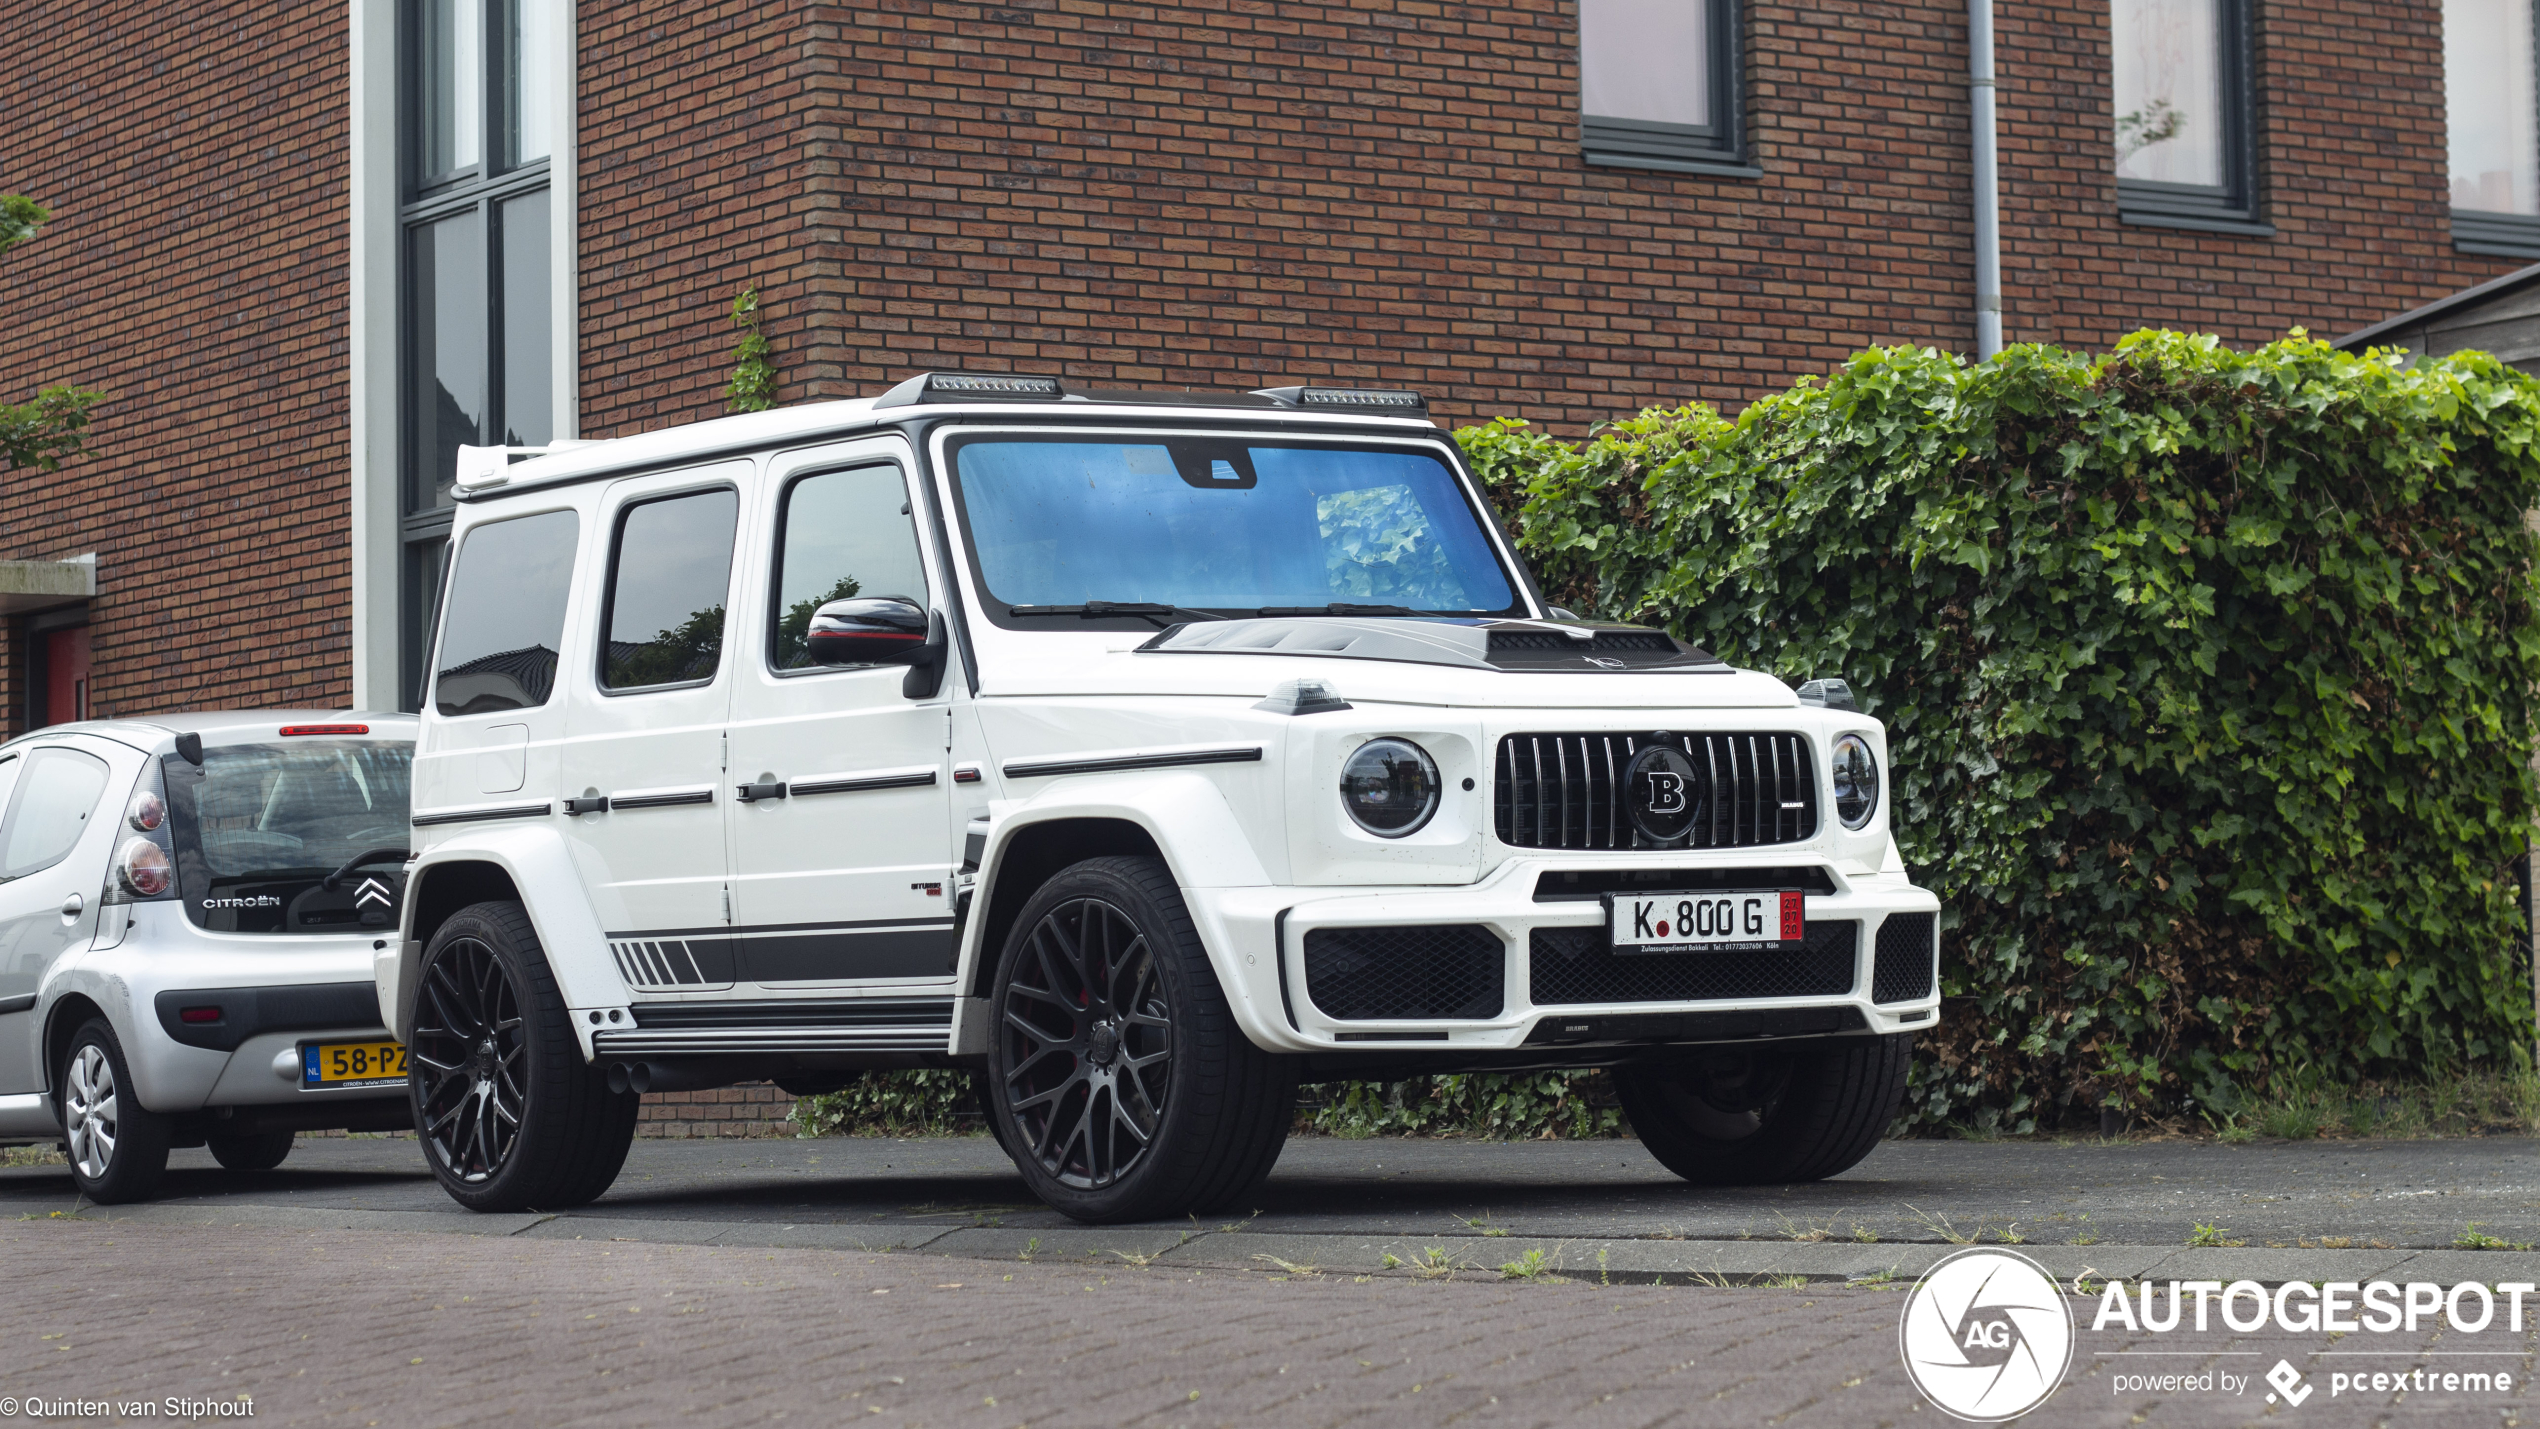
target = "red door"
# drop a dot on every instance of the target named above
(65, 657)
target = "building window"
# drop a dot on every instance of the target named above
(478, 104)
(2492, 98)
(1658, 85)
(2185, 126)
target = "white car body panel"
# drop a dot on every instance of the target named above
(1259, 843)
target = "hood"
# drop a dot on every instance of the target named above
(1504, 664)
(1541, 646)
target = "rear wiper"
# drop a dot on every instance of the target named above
(1103, 609)
(1339, 608)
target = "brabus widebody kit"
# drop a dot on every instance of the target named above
(1148, 754)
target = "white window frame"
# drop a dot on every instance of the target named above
(379, 625)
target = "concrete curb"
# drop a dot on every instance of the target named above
(1639, 1261)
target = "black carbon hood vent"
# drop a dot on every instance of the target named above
(1533, 646)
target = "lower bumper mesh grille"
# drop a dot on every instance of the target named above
(1577, 966)
(1414, 973)
(1908, 958)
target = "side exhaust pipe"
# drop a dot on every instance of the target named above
(690, 1074)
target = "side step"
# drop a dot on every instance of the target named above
(862, 1024)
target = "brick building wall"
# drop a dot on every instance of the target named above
(2351, 173)
(195, 157)
(755, 1109)
(693, 180)
(1387, 191)
(1205, 195)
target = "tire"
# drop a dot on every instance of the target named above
(118, 1148)
(1739, 1117)
(510, 1115)
(1117, 1078)
(251, 1151)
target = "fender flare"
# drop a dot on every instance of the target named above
(1185, 814)
(568, 926)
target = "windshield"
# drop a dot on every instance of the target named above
(1218, 526)
(259, 827)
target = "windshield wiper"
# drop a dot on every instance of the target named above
(1103, 609)
(377, 855)
(1339, 607)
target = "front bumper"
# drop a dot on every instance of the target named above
(1257, 939)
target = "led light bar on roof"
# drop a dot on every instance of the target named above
(1364, 399)
(970, 387)
(966, 384)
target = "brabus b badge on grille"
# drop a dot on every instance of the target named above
(1659, 793)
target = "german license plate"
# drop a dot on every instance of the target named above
(1748, 920)
(352, 1064)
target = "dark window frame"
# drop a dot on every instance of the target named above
(2483, 231)
(775, 612)
(1717, 149)
(2232, 206)
(422, 199)
(608, 591)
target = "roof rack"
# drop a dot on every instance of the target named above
(932, 387)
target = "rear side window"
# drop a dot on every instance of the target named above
(668, 578)
(846, 533)
(259, 827)
(504, 620)
(49, 809)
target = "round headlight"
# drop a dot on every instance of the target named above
(144, 868)
(1856, 781)
(148, 811)
(1390, 787)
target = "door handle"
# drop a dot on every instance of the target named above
(765, 789)
(599, 805)
(72, 905)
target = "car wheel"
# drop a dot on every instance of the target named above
(251, 1151)
(1120, 1084)
(1747, 1117)
(118, 1148)
(511, 1116)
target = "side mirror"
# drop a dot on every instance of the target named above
(869, 630)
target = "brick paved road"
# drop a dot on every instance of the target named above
(355, 1329)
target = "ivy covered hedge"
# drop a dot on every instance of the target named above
(2208, 678)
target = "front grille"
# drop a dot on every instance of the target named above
(1568, 967)
(1559, 790)
(1908, 957)
(1419, 973)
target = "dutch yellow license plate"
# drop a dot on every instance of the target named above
(351, 1064)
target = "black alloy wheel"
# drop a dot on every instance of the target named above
(1089, 1044)
(1776, 1114)
(471, 1060)
(1117, 1077)
(512, 1117)
(251, 1150)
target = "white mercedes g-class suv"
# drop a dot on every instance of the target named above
(1148, 753)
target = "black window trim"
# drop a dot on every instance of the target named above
(2489, 233)
(776, 560)
(1717, 150)
(2233, 205)
(608, 589)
